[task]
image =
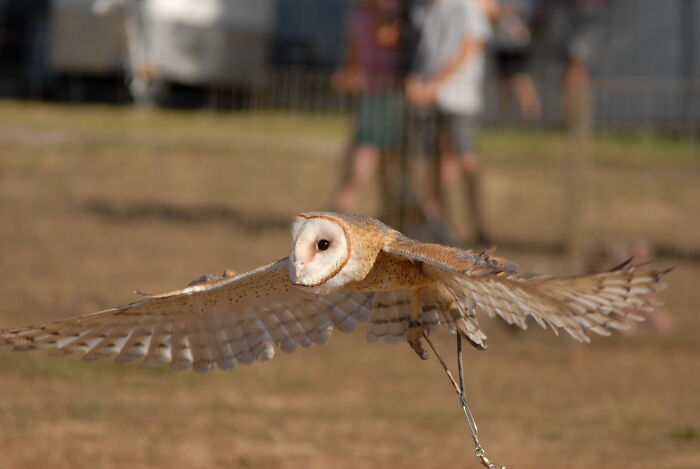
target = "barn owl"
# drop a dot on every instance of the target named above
(343, 269)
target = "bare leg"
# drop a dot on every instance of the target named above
(363, 161)
(470, 168)
(526, 93)
(449, 169)
(434, 202)
(444, 171)
(504, 94)
(577, 89)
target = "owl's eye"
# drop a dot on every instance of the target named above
(323, 244)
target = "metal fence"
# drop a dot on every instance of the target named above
(280, 56)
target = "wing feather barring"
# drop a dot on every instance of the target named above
(344, 269)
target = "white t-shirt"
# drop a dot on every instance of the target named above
(446, 25)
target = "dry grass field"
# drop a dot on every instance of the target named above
(98, 202)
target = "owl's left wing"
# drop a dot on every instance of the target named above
(484, 284)
(218, 323)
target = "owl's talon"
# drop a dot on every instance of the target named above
(417, 347)
(415, 335)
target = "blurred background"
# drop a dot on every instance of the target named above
(144, 143)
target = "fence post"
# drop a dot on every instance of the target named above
(579, 120)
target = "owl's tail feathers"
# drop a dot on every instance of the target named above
(391, 316)
(391, 313)
(439, 307)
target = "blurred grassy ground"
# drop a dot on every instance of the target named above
(97, 202)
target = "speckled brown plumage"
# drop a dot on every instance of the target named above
(399, 285)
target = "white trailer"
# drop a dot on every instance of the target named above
(191, 42)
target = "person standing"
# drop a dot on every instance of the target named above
(512, 47)
(574, 31)
(372, 72)
(448, 77)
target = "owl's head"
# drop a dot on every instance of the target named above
(320, 251)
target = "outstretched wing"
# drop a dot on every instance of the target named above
(484, 284)
(220, 323)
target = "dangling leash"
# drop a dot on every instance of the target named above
(459, 388)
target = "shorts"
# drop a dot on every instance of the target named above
(458, 131)
(431, 129)
(511, 62)
(576, 30)
(379, 120)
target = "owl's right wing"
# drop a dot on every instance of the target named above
(219, 323)
(480, 283)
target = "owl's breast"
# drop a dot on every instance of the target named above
(391, 272)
